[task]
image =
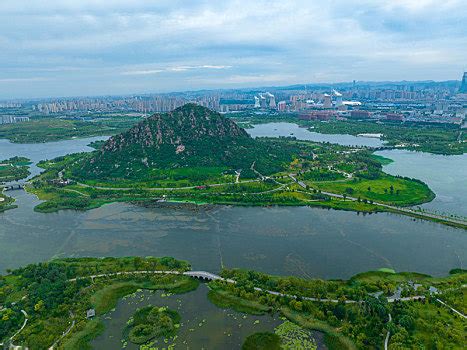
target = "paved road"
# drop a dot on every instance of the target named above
(18, 331)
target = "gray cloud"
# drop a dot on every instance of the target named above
(76, 47)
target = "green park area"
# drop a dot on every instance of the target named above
(14, 169)
(55, 129)
(194, 155)
(53, 301)
(386, 189)
(320, 175)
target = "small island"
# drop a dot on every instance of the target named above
(152, 322)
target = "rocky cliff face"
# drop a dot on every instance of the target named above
(189, 136)
(186, 125)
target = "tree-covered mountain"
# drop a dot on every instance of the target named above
(189, 136)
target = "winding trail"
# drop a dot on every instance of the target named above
(213, 277)
(63, 335)
(386, 340)
(17, 332)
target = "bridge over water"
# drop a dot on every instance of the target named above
(15, 186)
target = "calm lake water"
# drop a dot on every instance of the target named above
(446, 176)
(309, 242)
(290, 129)
(41, 151)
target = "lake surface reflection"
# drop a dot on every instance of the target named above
(302, 241)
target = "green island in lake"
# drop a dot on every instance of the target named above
(63, 304)
(195, 155)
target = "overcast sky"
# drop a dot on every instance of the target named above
(85, 47)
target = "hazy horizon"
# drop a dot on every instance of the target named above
(254, 88)
(94, 48)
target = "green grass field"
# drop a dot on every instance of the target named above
(404, 193)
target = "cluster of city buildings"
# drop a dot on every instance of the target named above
(432, 102)
(427, 102)
(108, 104)
(12, 119)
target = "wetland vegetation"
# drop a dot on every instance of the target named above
(47, 129)
(55, 298)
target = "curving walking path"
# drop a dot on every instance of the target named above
(388, 334)
(63, 335)
(208, 276)
(17, 332)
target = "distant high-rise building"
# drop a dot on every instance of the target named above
(272, 102)
(327, 101)
(338, 97)
(257, 104)
(282, 106)
(463, 88)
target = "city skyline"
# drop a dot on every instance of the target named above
(91, 48)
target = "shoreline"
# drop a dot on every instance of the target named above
(334, 204)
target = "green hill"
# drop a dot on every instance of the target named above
(190, 136)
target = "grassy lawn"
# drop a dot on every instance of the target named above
(405, 192)
(381, 159)
(15, 168)
(106, 299)
(340, 204)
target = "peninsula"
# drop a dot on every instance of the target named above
(196, 155)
